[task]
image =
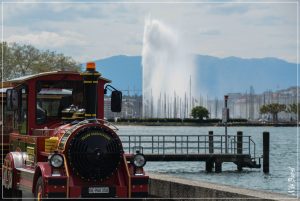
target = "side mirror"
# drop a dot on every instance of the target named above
(116, 101)
(12, 99)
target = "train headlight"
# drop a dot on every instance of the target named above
(56, 160)
(139, 160)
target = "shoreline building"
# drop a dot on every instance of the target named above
(241, 105)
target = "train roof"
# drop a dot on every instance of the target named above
(20, 80)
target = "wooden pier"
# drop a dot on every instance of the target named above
(240, 150)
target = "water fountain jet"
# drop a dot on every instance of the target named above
(168, 72)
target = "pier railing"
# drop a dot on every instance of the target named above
(189, 144)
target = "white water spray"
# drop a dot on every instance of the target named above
(168, 73)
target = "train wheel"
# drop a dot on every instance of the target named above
(39, 189)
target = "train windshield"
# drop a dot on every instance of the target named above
(55, 96)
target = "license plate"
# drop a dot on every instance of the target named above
(93, 190)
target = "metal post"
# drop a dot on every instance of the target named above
(218, 166)
(222, 144)
(209, 165)
(266, 151)
(152, 144)
(140, 142)
(226, 99)
(210, 162)
(157, 138)
(239, 142)
(205, 144)
(129, 144)
(181, 144)
(234, 144)
(163, 145)
(211, 142)
(134, 142)
(226, 151)
(239, 150)
(249, 145)
(187, 145)
(198, 145)
(175, 144)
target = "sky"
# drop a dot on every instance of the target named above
(91, 30)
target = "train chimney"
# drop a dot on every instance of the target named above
(90, 80)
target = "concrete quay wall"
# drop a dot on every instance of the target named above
(165, 186)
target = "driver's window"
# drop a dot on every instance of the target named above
(53, 97)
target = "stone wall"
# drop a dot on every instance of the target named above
(164, 186)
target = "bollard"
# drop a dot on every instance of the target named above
(218, 166)
(211, 142)
(210, 162)
(239, 146)
(209, 165)
(266, 151)
(239, 142)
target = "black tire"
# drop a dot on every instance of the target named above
(40, 184)
(12, 194)
(39, 188)
(16, 195)
(7, 193)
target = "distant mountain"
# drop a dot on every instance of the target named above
(124, 71)
(217, 76)
(233, 74)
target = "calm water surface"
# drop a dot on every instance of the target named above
(283, 158)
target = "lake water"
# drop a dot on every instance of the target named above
(283, 158)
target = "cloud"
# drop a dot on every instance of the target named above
(98, 30)
(228, 9)
(209, 32)
(46, 39)
(33, 13)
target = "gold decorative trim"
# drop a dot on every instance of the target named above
(90, 82)
(68, 175)
(90, 115)
(129, 177)
(89, 74)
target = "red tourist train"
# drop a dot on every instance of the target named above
(56, 143)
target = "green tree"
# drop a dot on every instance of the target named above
(199, 112)
(293, 108)
(7, 61)
(264, 109)
(50, 61)
(273, 109)
(19, 60)
(24, 58)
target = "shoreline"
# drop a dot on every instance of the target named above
(166, 186)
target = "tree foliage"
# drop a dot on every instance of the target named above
(273, 109)
(199, 112)
(20, 60)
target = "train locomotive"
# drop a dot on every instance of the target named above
(56, 143)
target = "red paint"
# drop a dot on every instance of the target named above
(119, 180)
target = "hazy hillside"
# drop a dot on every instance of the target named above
(217, 76)
(124, 71)
(233, 74)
